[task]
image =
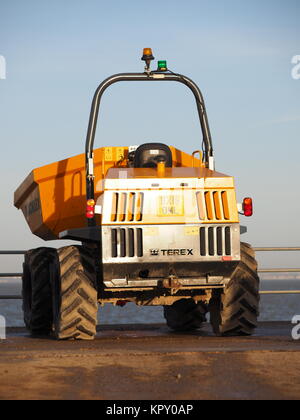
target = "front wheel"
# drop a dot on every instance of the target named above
(235, 311)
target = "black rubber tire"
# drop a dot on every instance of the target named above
(75, 294)
(185, 315)
(36, 290)
(235, 311)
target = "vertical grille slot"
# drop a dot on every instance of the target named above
(122, 207)
(114, 207)
(114, 246)
(225, 205)
(130, 208)
(122, 242)
(217, 205)
(201, 204)
(219, 240)
(130, 242)
(209, 205)
(211, 241)
(139, 207)
(227, 240)
(139, 242)
(203, 241)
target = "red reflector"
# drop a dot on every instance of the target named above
(226, 258)
(247, 206)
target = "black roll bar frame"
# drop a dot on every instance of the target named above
(147, 76)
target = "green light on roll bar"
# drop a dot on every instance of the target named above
(162, 65)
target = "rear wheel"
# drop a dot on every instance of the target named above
(36, 290)
(185, 315)
(75, 294)
(235, 311)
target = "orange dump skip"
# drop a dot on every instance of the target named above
(52, 197)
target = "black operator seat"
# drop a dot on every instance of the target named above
(149, 154)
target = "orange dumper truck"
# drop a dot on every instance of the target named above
(156, 226)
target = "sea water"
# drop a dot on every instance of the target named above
(280, 307)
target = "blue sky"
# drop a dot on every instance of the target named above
(238, 52)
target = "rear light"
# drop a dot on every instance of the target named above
(90, 209)
(247, 206)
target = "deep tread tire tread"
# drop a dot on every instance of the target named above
(36, 290)
(239, 303)
(76, 311)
